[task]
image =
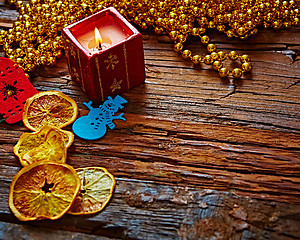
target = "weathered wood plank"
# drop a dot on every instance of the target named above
(269, 99)
(253, 162)
(146, 210)
(14, 231)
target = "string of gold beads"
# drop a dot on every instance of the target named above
(216, 58)
(35, 38)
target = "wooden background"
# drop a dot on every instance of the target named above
(199, 157)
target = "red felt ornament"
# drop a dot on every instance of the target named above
(15, 88)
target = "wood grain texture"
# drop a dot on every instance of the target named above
(150, 210)
(199, 157)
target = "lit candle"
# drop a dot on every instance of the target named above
(97, 43)
(108, 33)
(98, 39)
(106, 62)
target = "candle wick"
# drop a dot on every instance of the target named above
(99, 47)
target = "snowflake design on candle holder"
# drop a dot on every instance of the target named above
(116, 85)
(112, 61)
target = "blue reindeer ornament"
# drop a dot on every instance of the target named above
(93, 126)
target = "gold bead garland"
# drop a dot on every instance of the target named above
(35, 38)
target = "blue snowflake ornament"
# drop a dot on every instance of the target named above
(93, 126)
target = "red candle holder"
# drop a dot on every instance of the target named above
(112, 70)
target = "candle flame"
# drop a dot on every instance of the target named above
(98, 38)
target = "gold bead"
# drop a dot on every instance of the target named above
(40, 39)
(287, 24)
(237, 72)
(178, 47)
(173, 34)
(296, 22)
(55, 45)
(171, 23)
(30, 50)
(172, 15)
(33, 2)
(203, 21)
(42, 60)
(9, 51)
(186, 54)
(208, 59)
(276, 25)
(9, 39)
(24, 43)
(183, 17)
(59, 39)
(230, 33)
(205, 39)
(246, 66)
(285, 3)
(214, 56)
(42, 47)
(181, 38)
(181, 9)
(185, 29)
(245, 58)
(6, 46)
(19, 52)
(196, 11)
(51, 61)
(196, 59)
(29, 67)
(217, 65)
(187, 2)
(152, 11)
(211, 47)
(210, 12)
(222, 55)
(19, 61)
(221, 28)
(19, 4)
(195, 31)
(30, 57)
(211, 24)
(18, 36)
(202, 30)
(249, 25)
(236, 25)
(223, 72)
(40, 29)
(157, 30)
(31, 36)
(228, 17)
(241, 31)
(2, 36)
(219, 18)
(233, 55)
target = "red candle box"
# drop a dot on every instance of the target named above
(112, 70)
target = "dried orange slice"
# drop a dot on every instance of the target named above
(49, 108)
(97, 186)
(52, 149)
(43, 190)
(28, 141)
